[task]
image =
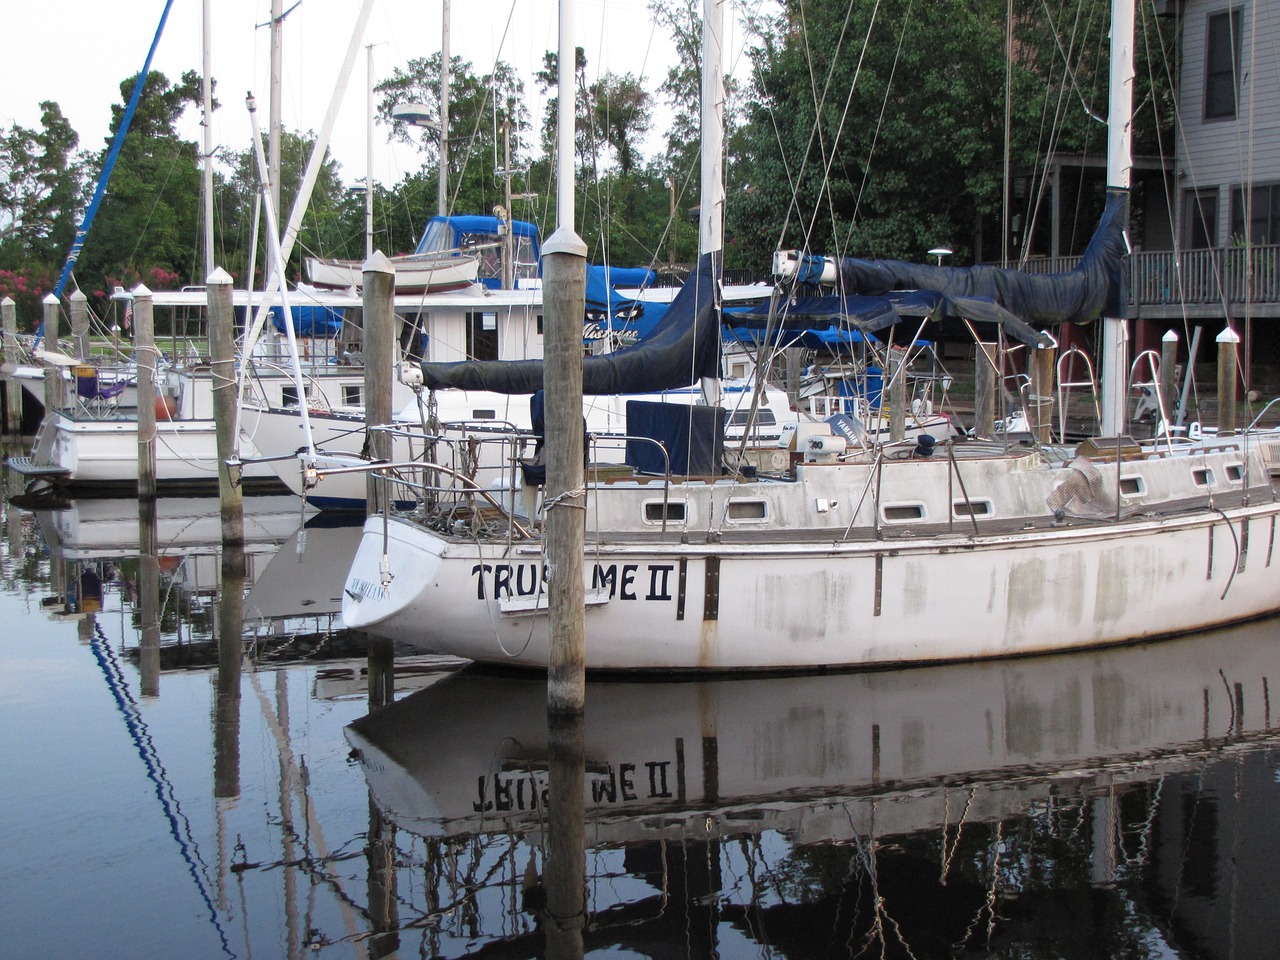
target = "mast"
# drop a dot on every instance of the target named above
(1115, 334)
(273, 135)
(368, 156)
(442, 194)
(206, 105)
(711, 201)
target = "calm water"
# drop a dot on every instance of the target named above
(158, 801)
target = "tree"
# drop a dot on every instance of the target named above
(478, 107)
(41, 190)
(150, 216)
(332, 226)
(879, 129)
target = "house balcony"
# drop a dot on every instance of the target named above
(1208, 283)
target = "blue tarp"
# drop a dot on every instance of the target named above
(310, 321)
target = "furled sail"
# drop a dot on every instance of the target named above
(681, 349)
(1093, 289)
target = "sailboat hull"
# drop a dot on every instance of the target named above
(811, 599)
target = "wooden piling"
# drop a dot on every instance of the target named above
(1228, 353)
(1040, 415)
(145, 350)
(78, 308)
(379, 360)
(12, 389)
(1168, 372)
(986, 374)
(222, 358)
(564, 270)
(897, 371)
(53, 393)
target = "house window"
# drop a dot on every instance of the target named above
(482, 336)
(1200, 218)
(1221, 74)
(1258, 219)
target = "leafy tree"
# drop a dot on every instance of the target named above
(333, 225)
(478, 107)
(878, 129)
(42, 181)
(150, 216)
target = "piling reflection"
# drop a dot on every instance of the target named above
(958, 806)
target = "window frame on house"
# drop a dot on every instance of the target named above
(1200, 217)
(1221, 64)
(1263, 209)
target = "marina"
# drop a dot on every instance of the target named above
(489, 601)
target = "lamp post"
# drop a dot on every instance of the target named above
(419, 115)
(940, 252)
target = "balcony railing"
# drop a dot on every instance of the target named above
(1232, 275)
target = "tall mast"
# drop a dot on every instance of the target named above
(206, 106)
(273, 133)
(1115, 335)
(368, 156)
(442, 197)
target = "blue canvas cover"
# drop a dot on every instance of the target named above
(682, 348)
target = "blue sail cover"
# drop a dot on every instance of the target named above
(1093, 289)
(683, 348)
(866, 315)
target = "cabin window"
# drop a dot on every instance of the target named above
(1235, 472)
(1255, 218)
(1221, 71)
(484, 414)
(1202, 477)
(1132, 487)
(747, 511)
(738, 371)
(288, 396)
(673, 511)
(351, 394)
(764, 418)
(539, 319)
(964, 509)
(1200, 218)
(482, 335)
(902, 512)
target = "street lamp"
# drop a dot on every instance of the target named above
(420, 115)
(940, 252)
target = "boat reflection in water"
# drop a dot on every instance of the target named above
(1094, 799)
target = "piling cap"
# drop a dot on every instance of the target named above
(8, 302)
(78, 296)
(141, 290)
(378, 263)
(564, 240)
(1170, 336)
(50, 300)
(218, 278)
(1228, 336)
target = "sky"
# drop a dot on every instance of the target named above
(76, 52)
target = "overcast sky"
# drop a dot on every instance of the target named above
(76, 52)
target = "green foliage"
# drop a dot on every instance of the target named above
(150, 215)
(479, 105)
(887, 147)
(332, 226)
(42, 182)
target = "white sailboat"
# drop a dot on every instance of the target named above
(854, 557)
